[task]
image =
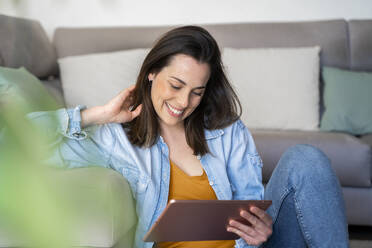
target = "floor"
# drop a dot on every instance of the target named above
(360, 236)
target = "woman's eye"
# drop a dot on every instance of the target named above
(198, 94)
(175, 87)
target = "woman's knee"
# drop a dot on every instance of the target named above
(306, 159)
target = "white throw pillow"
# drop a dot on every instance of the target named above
(94, 79)
(278, 87)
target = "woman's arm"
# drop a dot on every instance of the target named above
(84, 138)
(245, 174)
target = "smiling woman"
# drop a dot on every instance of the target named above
(182, 82)
(176, 134)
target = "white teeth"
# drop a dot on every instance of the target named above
(175, 111)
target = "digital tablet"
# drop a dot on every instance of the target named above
(197, 220)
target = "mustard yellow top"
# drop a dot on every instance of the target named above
(185, 187)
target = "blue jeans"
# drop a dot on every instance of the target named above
(308, 208)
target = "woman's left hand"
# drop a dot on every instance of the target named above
(258, 232)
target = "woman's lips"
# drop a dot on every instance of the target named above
(173, 111)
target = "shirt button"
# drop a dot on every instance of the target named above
(211, 183)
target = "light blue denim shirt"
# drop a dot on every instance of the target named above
(233, 165)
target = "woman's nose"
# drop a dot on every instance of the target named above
(183, 99)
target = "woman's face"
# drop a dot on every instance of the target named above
(178, 89)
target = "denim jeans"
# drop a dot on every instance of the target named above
(308, 208)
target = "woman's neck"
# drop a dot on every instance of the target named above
(173, 132)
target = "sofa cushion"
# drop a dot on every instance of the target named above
(54, 87)
(347, 101)
(277, 87)
(18, 86)
(94, 79)
(350, 157)
(100, 202)
(25, 43)
(358, 202)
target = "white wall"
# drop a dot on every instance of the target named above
(56, 13)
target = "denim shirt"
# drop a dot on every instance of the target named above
(233, 165)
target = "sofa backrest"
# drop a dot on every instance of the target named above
(331, 36)
(360, 32)
(24, 43)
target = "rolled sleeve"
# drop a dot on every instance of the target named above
(62, 121)
(74, 130)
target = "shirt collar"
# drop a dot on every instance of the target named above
(209, 134)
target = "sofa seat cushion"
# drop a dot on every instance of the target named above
(100, 205)
(367, 139)
(350, 157)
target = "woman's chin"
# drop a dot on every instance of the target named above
(171, 121)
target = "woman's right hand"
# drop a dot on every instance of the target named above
(117, 110)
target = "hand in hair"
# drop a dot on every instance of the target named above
(117, 110)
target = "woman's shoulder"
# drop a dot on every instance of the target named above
(236, 128)
(234, 135)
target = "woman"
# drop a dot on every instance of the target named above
(177, 134)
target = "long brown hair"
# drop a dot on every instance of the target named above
(219, 106)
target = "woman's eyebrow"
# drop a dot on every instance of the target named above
(183, 82)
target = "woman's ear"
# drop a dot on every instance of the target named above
(151, 76)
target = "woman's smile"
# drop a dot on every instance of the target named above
(174, 111)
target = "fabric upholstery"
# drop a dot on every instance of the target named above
(367, 139)
(347, 100)
(361, 44)
(350, 158)
(331, 36)
(101, 202)
(277, 87)
(358, 203)
(54, 87)
(99, 76)
(24, 43)
(20, 88)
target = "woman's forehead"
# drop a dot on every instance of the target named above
(188, 70)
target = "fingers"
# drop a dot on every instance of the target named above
(137, 111)
(262, 215)
(257, 222)
(248, 238)
(260, 229)
(244, 228)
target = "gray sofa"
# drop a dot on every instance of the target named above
(345, 44)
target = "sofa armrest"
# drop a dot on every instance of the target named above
(98, 204)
